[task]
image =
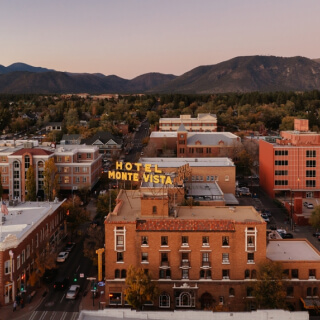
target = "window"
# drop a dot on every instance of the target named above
(66, 180)
(310, 173)
(281, 182)
(225, 258)
(18, 261)
(7, 267)
(23, 256)
(309, 292)
(310, 183)
(315, 292)
(231, 292)
(247, 274)
(27, 162)
(164, 240)
(164, 257)
(115, 298)
(312, 273)
(295, 273)
(185, 273)
(85, 169)
(253, 274)
(67, 158)
(205, 241)
(289, 291)
(225, 274)
(311, 163)
(144, 240)
(77, 179)
(119, 256)
(76, 169)
(208, 178)
(154, 209)
(281, 172)
(311, 153)
(37, 240)
(123, 273)
(205, 257)
(281, 163)
(28, 251)
(84, 179)
(249, 291)
(59, 159)
(164, 300)
(184, 240)
(226, 178)
(225, 241)
(117, 274)
(119, 240)
(281, 152)
(250, 257)
(144, 257)
(88, 155)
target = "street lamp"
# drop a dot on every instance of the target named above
(94, 288)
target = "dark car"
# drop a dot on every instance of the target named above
(49, 275)
(286, 235)
(61, 283)
(69, 246)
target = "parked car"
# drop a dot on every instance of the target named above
(310, 206)
(49, 275)
(69, 246)
(73, 292)
(286, 235)
(62, 256)
(305, 203)
(61, 283)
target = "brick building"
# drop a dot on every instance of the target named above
(77, 165)
(289, 163)
(27, 229)
(195, 144)
(205, 122)
(200, 257)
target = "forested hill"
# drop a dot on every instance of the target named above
(240, 74)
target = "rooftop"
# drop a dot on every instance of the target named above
(193, 162)
(22, 219)
(129, 209)
(291, 250)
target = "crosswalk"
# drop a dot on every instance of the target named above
(54, 315)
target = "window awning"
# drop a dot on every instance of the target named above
(310, 303)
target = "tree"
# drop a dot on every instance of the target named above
(31, 186)
(269, 289)
(315, 218)
(140, 288)
(50, 181)
(94, 241)
(103, 204)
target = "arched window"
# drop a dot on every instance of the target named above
(231, 292)
(201, 274)
(26, 162)
(123, 273)
(168, 274)
(208, 274)
(162, 274)
(253, 274)
(309, 292)
(315, 292)
(117, 274)
(247, 274)
(164, 300)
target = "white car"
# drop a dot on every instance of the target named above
(310, 206)
(73, 292)
(62, 256)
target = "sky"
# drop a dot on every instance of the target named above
(128, 38)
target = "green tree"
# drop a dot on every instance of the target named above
(269, 289)
(140, 288)
(94, 241)
(50, 181)
(31, 186)
(72, 117)
(315, 218)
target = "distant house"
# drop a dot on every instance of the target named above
(54, 126)
(107, 143)
(71, 139)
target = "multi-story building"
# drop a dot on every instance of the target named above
(77, 165)
(205, 122)
(200, 257)
(289, 163)
(195, 144)
(27, 230)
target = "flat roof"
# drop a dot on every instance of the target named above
(291, 250)
(23, 218)
(129, 209)
(193, 162)
(163, 134)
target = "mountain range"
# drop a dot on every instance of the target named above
(240, 74)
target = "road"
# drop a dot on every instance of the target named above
(55, 306)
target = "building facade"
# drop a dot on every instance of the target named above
(289, 163)
(28, 229)
(205, 122)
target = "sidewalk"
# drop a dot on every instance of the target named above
(6, 312)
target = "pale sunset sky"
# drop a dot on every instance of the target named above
(132, 37)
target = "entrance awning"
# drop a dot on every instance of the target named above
(310, 303)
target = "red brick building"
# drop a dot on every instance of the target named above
(289, 163)
(28, 228)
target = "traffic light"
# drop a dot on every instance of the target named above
(75, 278)
(94, 286)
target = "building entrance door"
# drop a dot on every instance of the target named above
(8, 293)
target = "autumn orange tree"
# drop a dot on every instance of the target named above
(31, 187)
(50, 181)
